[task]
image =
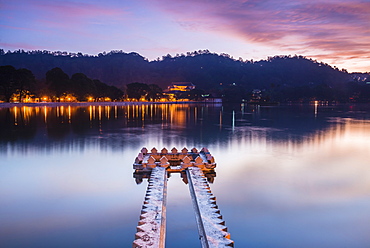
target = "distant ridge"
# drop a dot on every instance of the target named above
(203, 68)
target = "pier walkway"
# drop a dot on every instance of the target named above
(197, 169)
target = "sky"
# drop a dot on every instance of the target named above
(336, 32)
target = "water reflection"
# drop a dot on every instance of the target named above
(308, 192)
(207, 124)
(296, 174)
(139, 176)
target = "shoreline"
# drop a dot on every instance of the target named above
(55, 104)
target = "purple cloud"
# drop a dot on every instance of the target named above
(328, 28)
(64, 14)
(16, 46)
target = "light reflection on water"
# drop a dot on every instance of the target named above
(289, 176)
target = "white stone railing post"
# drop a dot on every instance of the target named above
(151, 231)
(211, 228)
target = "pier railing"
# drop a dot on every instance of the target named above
(197, 169)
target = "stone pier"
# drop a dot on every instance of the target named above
(197, 169)
(211, 228)
(151, 231)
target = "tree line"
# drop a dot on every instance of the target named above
(21, 84)
(280, 78)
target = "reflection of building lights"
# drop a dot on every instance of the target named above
(45, 114)
(61, 110)
(69, 114)
(220, 119)
(233, 121)
(142, 113)
(90, 112)
(15, 116)
(107, 112)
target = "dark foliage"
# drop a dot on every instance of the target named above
(138, 90)
(56, 85)
(58, 81)
(13, 81)
(280, 78)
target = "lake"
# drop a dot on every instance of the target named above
(286, 176)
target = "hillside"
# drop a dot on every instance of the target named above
(204, 69)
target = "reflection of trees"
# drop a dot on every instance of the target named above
(17, 125)
(181, 124)
(80, 121)
(57, 125)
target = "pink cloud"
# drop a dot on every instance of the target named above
(66, 14)
(16, 46)
(68, 9)
(330, 26)
(17, 28)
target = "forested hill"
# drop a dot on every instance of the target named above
(204, 69)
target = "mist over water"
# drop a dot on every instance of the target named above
(287, 176)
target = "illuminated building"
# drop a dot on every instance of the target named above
(179, 87)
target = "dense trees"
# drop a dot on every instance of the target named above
(22, 82)
(13, 81)
(7, 82)
(58, 81)
(80, 86)
(203, 68)
(149, 92)
(137, 90)
(280, 78)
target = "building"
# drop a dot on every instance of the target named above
(179, 87)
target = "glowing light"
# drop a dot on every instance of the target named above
(69, 114)
(316, 106)
(45, 114)
(16, 116)
(61, 110)
(90, 112)
(233, 121)
(99, 109)
(107, 112)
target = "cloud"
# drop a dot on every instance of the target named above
(329, 26)
(16, 46)
(65, 14)
(78, 10)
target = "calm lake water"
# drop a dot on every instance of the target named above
(287, 176)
